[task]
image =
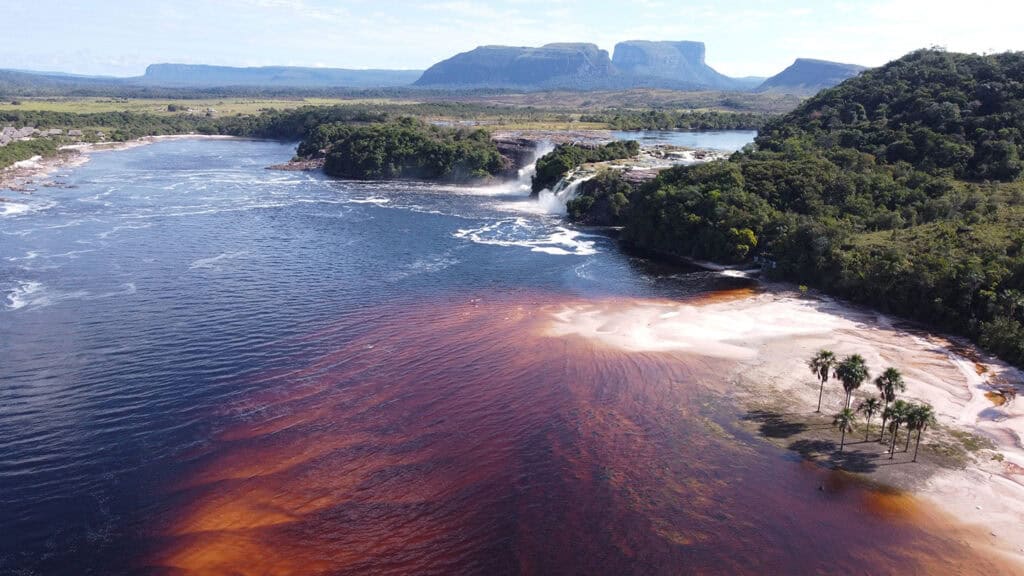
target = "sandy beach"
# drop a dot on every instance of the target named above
(971, 465)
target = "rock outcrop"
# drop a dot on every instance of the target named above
(518, 151)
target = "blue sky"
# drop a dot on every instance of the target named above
(743, 37)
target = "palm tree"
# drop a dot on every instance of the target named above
(852, 371)
(889, 383)
(821, 366)
(897, 415)
(869, 407)
(922, 416)
(844, 421)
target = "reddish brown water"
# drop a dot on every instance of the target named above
(457, 438)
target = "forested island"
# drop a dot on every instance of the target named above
(898, 188)
(404, 149)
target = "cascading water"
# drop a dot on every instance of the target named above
(555, 201)
(524, 180)
(547, 201)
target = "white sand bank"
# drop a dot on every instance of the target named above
(770, 337)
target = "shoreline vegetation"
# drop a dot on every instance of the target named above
(900, 189)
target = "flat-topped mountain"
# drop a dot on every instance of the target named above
(198, 75)
(563, 65)
(808, 76)
(670, 65)
(636, 63)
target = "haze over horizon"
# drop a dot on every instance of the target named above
(114, 37)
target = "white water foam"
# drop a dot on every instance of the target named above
(25, 294)
(11, 209)
(520, 232)
(523, 183)
(556, 201)
(552, 202)
(370, 200)
(29, 295)
(213, 263)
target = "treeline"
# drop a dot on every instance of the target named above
(289, 124)
(405, 148)
(554, 165)
(27, 84)
(117, 126)
(898, 189)
(678, 120)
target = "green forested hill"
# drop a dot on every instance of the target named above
(955, 114)
(899, 188)
(404, 148)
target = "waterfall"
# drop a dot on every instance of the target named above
(524, 180)
(555, 201)
(547, 201)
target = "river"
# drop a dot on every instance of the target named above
(210, 367)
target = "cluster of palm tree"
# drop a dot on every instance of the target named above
(852, 371)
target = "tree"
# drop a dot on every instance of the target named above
(852, 372)
(921, 417)
(821, 366)
(897, 415)
(844, 420)
(869, 407)
(889, 383)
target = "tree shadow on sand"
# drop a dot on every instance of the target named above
(774, 424)
(827, 452)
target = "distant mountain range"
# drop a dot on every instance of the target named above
(807, 76)
(563, 66)
(199, 75)
(579, 66)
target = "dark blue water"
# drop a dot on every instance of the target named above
(138, 297)
(209, 367)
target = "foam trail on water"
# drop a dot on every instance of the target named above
(520, 232)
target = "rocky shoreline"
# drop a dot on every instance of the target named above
(307, 165)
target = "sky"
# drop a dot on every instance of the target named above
(743, 37)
